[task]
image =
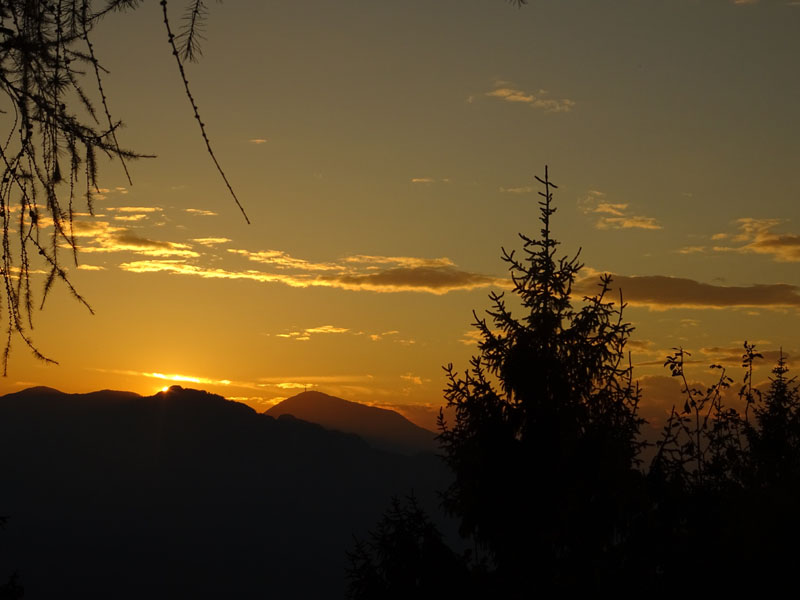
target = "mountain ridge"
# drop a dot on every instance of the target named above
(187, 494)
(380, 427)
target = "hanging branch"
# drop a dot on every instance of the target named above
(195, 110)
(46, 49)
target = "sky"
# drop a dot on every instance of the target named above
(385, 152)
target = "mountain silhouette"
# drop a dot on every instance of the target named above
(380, 427)
(186, 494)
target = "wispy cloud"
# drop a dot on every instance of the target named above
(538, 100)
(200, 212)
(375, 337)
(360, 272)
(732, 355)
(632, 222)
(299, 381)
(327, 329)
(180, 378)
(613, 215)
(257, 141)
(104, 193)
(402, 261)
(116, 239)
(435, 280)
(304, 335)
(430, 180)
(692, 250)
(471, 337)
(134, 209)
(659, 292)
(756, 236)
(526, 189)
(211, 241)
(282, 260)
(411, 378)
(129, 217)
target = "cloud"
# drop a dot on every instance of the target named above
(627, 223)
(595, 203)
(265, 401)
(526, 189)
(435, 280)
(659, 394)
(295, 381)
(379, 336)
(91, 268)
(659, 292)
(102, 193)
(294, 335)
(104, 238)
(111, 239)
(283, 260)
(200, 213)
(538, 100)
(211, 241)
(422, 180)
(180, 378)
(292, 385)
(692, 250)
(129, 217)
(732, 355)
(404, 261)
(305, 334)
(758, 238)
(327, 329)
(370, 273)
(135, 209)
(411, 378)
(257, 141)
(617, 210)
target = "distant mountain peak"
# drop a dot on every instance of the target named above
(40, 390)
(380, 427)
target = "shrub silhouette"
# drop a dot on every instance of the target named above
(725, 487)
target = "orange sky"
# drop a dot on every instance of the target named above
(386, 151)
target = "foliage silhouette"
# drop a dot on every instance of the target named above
(406, 557)
(544, 446)
(11, 589)
(50, 152)
(724, 487)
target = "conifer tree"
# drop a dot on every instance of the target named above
(544, 443)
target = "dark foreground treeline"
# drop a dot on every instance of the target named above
(550, 486)
(185, 495)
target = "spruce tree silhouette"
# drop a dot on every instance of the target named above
(58, 126)
(544, 447)
(545, 442)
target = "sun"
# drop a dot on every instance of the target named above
(164, 389)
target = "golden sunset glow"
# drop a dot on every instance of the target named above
(382, 177)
